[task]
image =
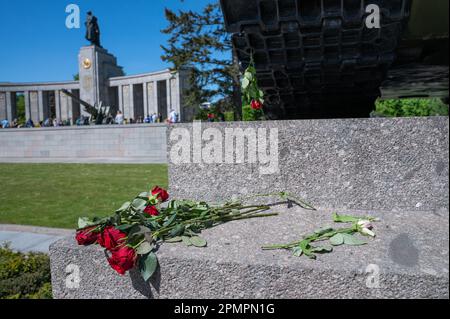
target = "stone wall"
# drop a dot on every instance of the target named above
(382, 167)
(101, 144)
(382, 164)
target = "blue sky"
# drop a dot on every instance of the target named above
(37, 46)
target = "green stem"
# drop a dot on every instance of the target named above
(311, 238)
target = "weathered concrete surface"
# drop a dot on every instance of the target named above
(90, 144)
(396, 169)
(411, 252)
(30, 238)
(386, 164)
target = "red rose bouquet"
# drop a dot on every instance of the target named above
(131, 234)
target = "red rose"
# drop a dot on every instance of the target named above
(122, 259)
(151, 210)
(161, 193)
(256, 105)
(87, 236)
(111, 238)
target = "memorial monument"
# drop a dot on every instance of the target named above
(101, 81)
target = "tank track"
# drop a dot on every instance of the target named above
(316, 58)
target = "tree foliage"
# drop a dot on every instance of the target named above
(411, 107)
(199, 41)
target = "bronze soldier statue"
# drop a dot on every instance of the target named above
(92, 29)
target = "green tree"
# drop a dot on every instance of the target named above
(20, 107)
(411, 108)
(199, 41)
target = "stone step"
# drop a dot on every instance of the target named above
(409, 257)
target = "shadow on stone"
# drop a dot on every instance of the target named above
(145, 287)
(403, 252)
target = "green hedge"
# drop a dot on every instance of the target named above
(229, 116)
(411, 108)
(249, 115)
(24, 276)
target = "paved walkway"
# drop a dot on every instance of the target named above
(31, 239)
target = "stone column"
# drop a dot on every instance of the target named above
(65, 106)
(155, 98)
(175, 94)
(120, 89)
(126, 101)
(70, 110)
(26, 95)
(152, 103)
(131, 97)
(3, 112)
(145, 93)
(96, 66)
(34, 106)
(58, 105)
(169, 96)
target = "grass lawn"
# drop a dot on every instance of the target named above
(55, 195)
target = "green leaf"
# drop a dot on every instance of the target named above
(337, 240)
(138, 230)
(148, 265)
(322, 249)
(144, 248)
(123, 207)
(198, 241)
(84, 222)
(139, 204)
(144, 195)
(125, 227)
(170, 220)
(353, 240)
(297, 251)
(323, 231)
(344, 218)
(174, 240)
(245, 83)
(306, 248)
(186, 240)
(179, 230)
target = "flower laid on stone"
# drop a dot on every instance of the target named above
(131, 235)
(313, 244)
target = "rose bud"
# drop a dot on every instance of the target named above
(122, 259)
(87, 236)
(367, 231)
(151, 211)
(365, 224)
(256, 105)
(111, 238)
(366, 227)
(161, 193)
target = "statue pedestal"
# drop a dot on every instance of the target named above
(96, 66)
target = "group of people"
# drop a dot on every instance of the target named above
(149, 119)
(82, 120)
(30, 124)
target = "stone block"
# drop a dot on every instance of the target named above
(388, 164)
(408, 259)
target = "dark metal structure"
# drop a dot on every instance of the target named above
(318, 58)
(92, 29)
